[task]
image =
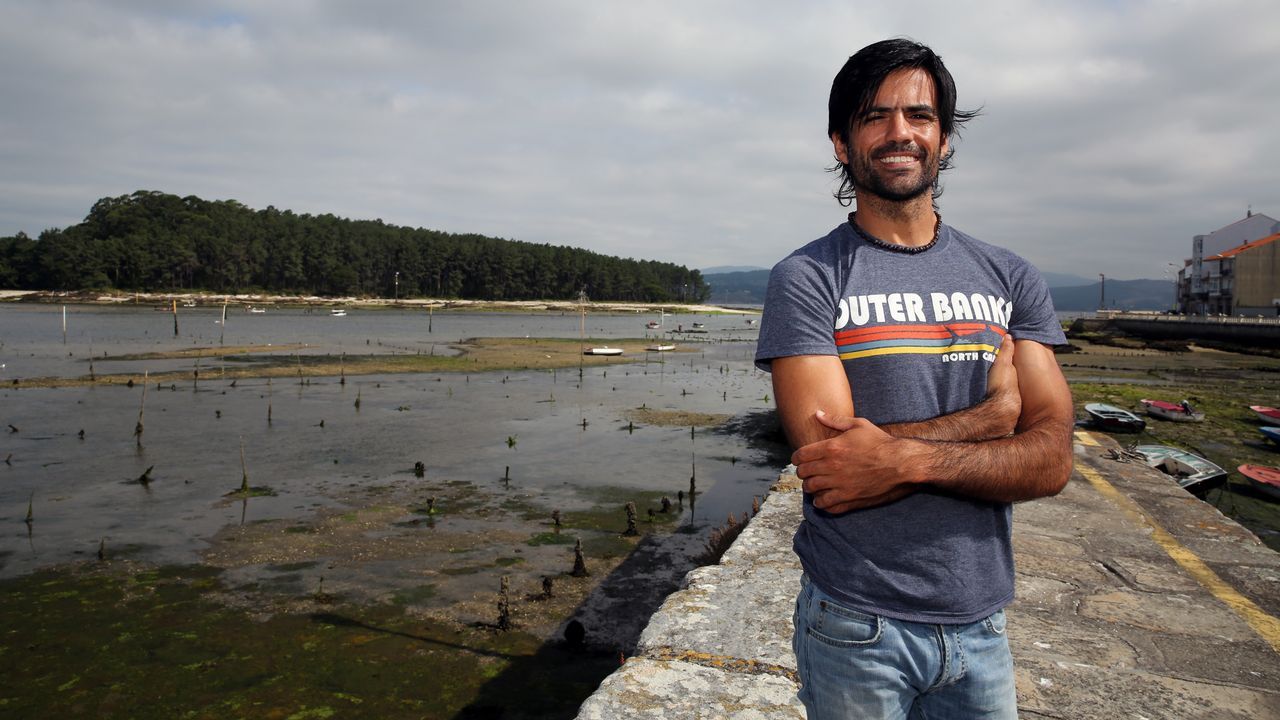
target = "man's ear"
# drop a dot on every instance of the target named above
(945, 147)
(842, 152)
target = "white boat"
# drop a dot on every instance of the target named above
(1177, 412)
(338, 312)
(1110, 417)
(653, 324)
(257, 311)
(602, 351)
(698, 326)
(660, 348)
(1193, 473)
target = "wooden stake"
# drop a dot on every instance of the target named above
(137, 429)
(244, 469)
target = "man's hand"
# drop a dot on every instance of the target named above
(1003, 402)
(861, 467)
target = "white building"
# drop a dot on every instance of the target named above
(1208, 283)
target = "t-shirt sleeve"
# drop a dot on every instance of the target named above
(1033, 317)
(799, 312)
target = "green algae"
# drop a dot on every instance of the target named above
(151, 645)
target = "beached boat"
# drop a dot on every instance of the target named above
(602, 351)
(660, 348)
(1193, 473)
(1265, 480)
(1177, 412)
(1271, 433)
(1110, 417)
(1268, 414)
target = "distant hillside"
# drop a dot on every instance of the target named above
(155, 242)
(722, 269)
(1121, 295)
(748, 287)
(1063, 279)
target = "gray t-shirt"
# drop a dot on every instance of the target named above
(917, 334)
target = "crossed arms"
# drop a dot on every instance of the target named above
(1014, 445)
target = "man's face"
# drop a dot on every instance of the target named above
(896, 146)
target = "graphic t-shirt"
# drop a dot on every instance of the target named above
(917, 334)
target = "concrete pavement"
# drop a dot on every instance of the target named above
(1134, 599)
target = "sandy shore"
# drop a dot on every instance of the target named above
(360, 302)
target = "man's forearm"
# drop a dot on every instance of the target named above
(989, 419)
(1031, 464)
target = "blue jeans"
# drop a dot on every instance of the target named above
(855, 665)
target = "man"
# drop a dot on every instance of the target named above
(914, 373)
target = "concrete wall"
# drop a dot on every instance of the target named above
(720, 647)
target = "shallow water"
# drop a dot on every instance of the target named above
(318, 448)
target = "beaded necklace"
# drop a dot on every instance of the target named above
(894, 247)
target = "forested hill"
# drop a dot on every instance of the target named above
(152, 241)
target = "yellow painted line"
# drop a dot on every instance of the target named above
(1265, 625)
(1086, 438)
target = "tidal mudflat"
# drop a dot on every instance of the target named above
(1220, 382)
(365, 576)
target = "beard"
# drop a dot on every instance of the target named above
(891, 186)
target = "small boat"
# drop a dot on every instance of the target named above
(698, 326)
(338, 312)
(189, 303)
(257, 311)
(653, 324)
(751, 321)
(1268, 414)
(1110, 417)
(660, 348)
(602, 351)
(1193, 473)
(1265, 480)
(1270, 433)
(1177, 412)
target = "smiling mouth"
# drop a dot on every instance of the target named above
(898, 159)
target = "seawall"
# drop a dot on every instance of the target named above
(1134, 599)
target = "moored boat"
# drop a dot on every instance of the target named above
(1271, 433)
(653, 325)
(1177, 412)
(602, 351)
(1265, 480)
(1110, 417)
(660, 348)
(1193, 473)
(1268, 414)
(338, 312)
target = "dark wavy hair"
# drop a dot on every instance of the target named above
(857, 83)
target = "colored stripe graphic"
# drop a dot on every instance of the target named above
(916, 350)
(912, 340)
(915, 331)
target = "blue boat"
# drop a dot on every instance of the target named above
(1271, 433)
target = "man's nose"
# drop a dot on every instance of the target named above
(899, 128)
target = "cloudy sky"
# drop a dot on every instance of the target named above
(684, 131)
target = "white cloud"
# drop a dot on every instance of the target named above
(687, 132)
